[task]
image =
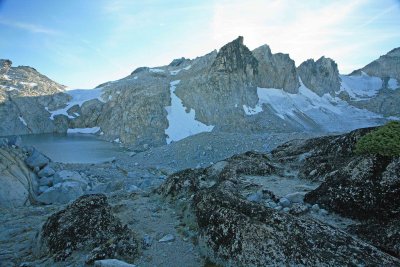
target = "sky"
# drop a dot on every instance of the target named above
(82, 44)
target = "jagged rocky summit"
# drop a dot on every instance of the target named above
(231, 90)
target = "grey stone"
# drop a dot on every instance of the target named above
(323, 212)
(69, 176)
(43, 188)
(296, 197)
(284, 202)
(167, 238)
(61, 193)
(46, 181)
(37, 160)
(46, 172)
(112, 263)
(315, 207)
(147, 241)
(286, 209)
(255, 197)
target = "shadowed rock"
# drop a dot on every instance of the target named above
(87, 225)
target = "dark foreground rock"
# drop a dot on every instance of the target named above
(368, 187)
(87, 224)
(362, 187)
(234, 231)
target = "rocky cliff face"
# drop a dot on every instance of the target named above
(25, 94)
(321, 76)
(226, 83)
(386, 66)
(276, 70)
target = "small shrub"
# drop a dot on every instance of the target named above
(384, 141)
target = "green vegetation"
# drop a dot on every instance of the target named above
(383, 141)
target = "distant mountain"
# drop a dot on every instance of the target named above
(232, 90)
(25, 94)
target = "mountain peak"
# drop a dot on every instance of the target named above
(5, 65)
(394, 52)
(235, 56)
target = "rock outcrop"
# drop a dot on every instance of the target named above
(87, 225)
(235, 230)
(276, 70)
(321, 76)
(18, 184)
(362, 187)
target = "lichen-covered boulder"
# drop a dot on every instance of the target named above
(87, 224)
(368, 187)
(315, 158)
(235, 231)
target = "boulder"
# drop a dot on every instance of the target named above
(61, 193)
(112, 263)
(368, 187)
(46, 181)
(70, 176)
(88, 226)
(37, 160)
(46, 172)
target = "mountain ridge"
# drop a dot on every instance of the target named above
(232, 90)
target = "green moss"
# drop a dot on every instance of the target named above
(384, 141)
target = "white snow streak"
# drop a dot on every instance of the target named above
(180, 123)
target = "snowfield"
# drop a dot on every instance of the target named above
(79, 96)
(180, 123)
(308, 109)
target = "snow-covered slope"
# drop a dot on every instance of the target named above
(79, 96)
(328, 113)
(181, 124)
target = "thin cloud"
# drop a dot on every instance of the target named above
(30, 27)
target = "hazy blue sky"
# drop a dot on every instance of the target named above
(82, 43)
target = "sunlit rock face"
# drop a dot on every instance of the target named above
(321, 76)
(276, 70)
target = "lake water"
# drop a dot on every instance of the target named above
(73, 148)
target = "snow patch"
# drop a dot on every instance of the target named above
(5, 77)
(22, 120)
(79, 96)
(157, 70)
(175, 72)
(92, 130)
(180, 123)
(393, 84)
(360, 87)
(252, 111)
(29, 84)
